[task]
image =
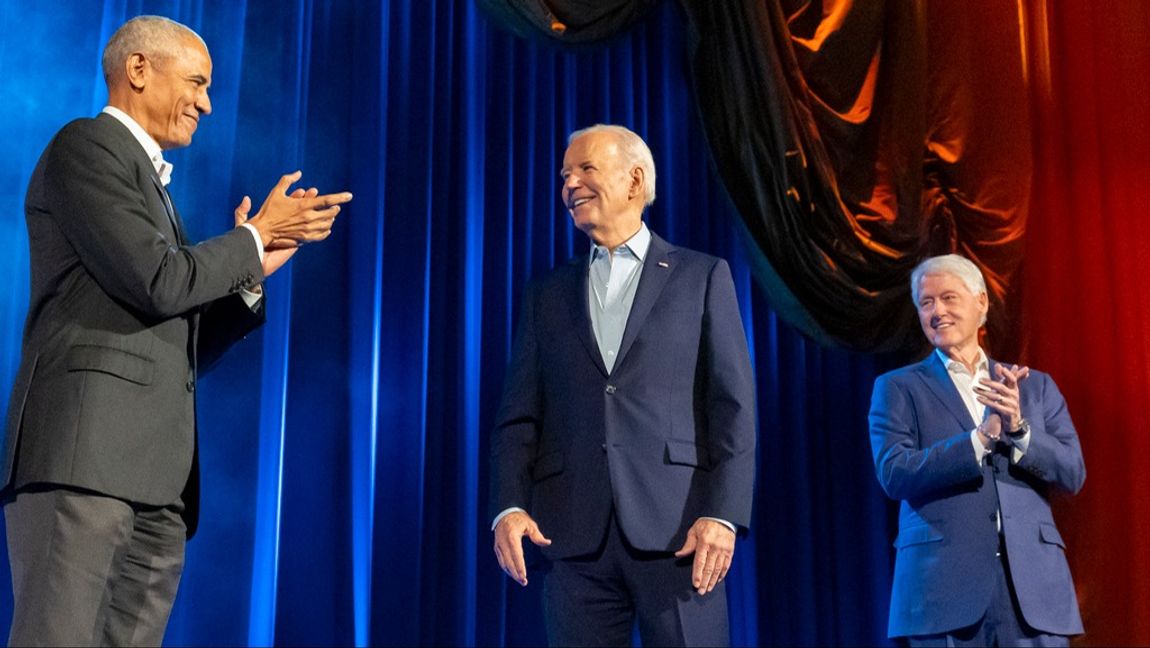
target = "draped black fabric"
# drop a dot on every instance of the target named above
(848, 137)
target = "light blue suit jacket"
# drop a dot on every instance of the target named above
(943, 575)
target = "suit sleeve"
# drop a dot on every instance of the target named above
(224, 322)
(95, 199)
(729, 402)
(905, 469)
(1054, 454)
(515, 439)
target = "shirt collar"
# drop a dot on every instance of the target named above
(954, 366)
(637, 244)
(151, 147)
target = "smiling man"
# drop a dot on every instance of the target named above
(100, 478)
(974, 448)
(624, 445)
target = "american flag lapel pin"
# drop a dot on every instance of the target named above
(664, 264)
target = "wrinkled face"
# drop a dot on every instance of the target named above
(175, 95)
(949, 313)
(599, 185)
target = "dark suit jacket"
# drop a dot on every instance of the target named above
(667, 437)
(120, 310)
(943, 575)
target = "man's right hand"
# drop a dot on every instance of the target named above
(286, 219)
(509, 543)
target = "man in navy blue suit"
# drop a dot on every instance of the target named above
(624, 444)
(974, 449)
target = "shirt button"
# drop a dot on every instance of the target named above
(190, 385)
(610, 389)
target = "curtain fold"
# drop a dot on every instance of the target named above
(855, 139)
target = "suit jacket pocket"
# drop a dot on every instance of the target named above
(921, 534)
(687, 453)
(122, 364)
(548, 465)
(1050, 535)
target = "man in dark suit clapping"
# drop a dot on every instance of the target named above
(99, 474)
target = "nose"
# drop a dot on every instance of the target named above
(203, 103)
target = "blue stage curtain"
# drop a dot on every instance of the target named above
(344, 446)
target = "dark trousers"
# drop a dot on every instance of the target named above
(595, 601)
(1002, 625)
(91, 570)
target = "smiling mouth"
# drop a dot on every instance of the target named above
(579, 202)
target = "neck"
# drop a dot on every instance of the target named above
(613, 238)
(967, 354)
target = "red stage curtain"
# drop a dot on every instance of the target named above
(1085, 305)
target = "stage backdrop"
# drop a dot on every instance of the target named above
(344, 445)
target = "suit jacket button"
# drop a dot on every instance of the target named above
(603, 446)
(191, 385)
(610, 389)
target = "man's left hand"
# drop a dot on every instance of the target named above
(1002, 395)
(276, 254)
(713, 545)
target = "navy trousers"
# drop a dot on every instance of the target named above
(596, 600)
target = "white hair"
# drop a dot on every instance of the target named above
(156, 37)
(633, 147)
(952, 264)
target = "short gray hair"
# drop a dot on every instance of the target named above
(952, 264)
(633, 147)
(156, 37)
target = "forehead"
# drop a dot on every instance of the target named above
(191, 57)
(595, 146)
(938, 282)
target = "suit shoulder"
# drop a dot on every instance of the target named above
(902, 374)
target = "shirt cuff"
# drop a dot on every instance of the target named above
(980, 451)
(250, 298)
(722, 522)
(504, 513)
(259, 240)
(1020, 446)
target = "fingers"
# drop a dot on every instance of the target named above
(714, 546)
(711, 565)
(242, 210)
(509, 544)
(688, 546)
(286, 181)
(536, 536)
(319, 203)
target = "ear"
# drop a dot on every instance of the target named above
(637, 179)
(136, 69)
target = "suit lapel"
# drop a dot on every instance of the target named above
(934, 374)
(576, 290)
(132, 146)
(657, 269)
(169, 208)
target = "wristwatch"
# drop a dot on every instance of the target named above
(1022, 430)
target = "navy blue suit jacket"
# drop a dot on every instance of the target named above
(667, 437)
(943, 575)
